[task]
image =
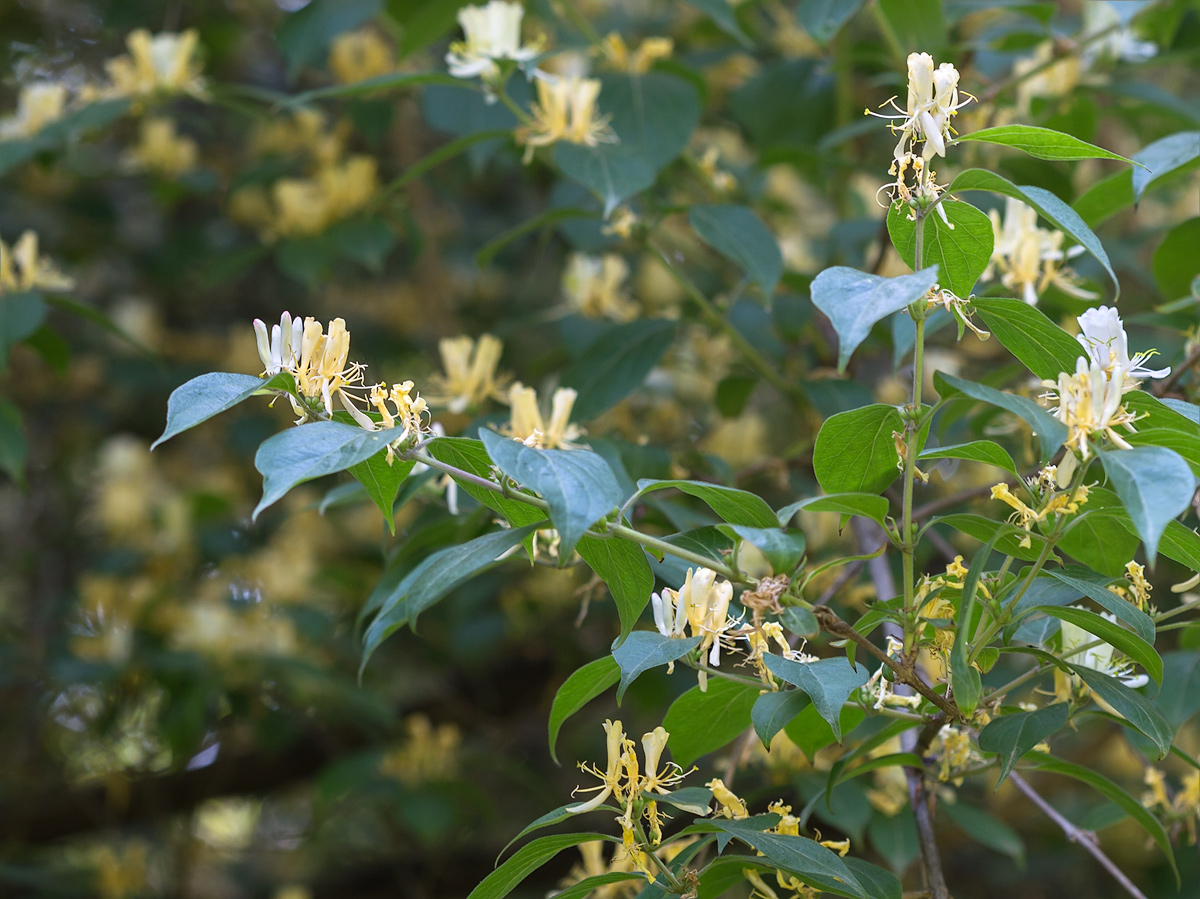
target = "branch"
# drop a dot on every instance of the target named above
(918, 797)
(1085, 838)
(905, 674)
(1165, 387)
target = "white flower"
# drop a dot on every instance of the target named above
(932, 103)
(1121, 43)
(1105, 340)
(1098, 657)
(492, 32)
(278, 352)
(1089, 402)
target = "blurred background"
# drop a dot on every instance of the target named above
(180, 713)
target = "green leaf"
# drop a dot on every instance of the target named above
(975, 451)
(800, 621)
(612, 172)
(590, 885)
(304, 36)
(876, 882)
(1042, 143)
(201, 398)
(382, 482)
(1026, 332)
(1054, 210)
(623, 568)
(1163, 157)
(578, 690)
(919, 25)
(807, 859)
(1175, 261)
(1012, 735)
(1097, 590)
(312, 451)
(853, 301)
(740, 236)
(1128, 642)
(617, 364)
(1049, 430)
(1130, 704)
(57, 133)
(828, 683)
(378, 84)
(13, 449)
(21, 314)
(701, 721)
(960, 250)
(1110, 791)
(528, 859)
(730, 504)
(1179, 698)
(868, 505)
(470, 456)
(782, 548)
(982, 529)
(823, 19)
(812, 733)
(723, 16)
(986, 830)
(773, 711)
(855, 451)
(435, 576)
(1101, 540)
(644, 650)
(578, 485)
(1154, 483)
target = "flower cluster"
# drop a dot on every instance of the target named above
(22, 268)
(470, 377)
(161, 149)
(633, 788)
(493, 35)
(1028, 259)
(703, 603)
(528, 426)
(1047, 500)
(594, 287)
(1180, 809)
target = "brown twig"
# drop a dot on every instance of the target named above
(918, 797)
(1168, 385)
(1085, 838)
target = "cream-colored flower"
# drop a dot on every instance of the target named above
(492, 33)
(932, 104)
(38, 105)
(637, 62)
(594, 287)
(566, 110)
(470, 377)
(360, 55)
(1027, 258)
(160, 149)
(528, 426)
(1089, 402)
(163, 63)
(22, 268)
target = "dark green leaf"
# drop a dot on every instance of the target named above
(1176, 262)
(13, 449)
(304, 36)
(382, 482)
(986, 830)
(918, 25)
(617, 364)
(723, 16)
(701, 721)
(730, 504)
(975, 451)
(855, 451)
(1128, 642)
(876, 882)
(201, 398)
(772, 711)
(1179, 698)
(644, 650)
(823, 19)
(470, 456)
(740, 236)
(21, 314)
(982, 529)
(782, 548)
(1154, 483)
(694, 800)
(1049, 430)
(807, 859)
(812, 733)
(577, 484)
(868, 505)
(1097, 590)
(578, 690)
(853, 301)
(964, 677)
(960, 249)
(1012, 735)
(828, 683)
(1162, 157)
(800, 621)
(526, 860)
(623, 568)
(1042, 143)
(1026, 332)
(1128, 703)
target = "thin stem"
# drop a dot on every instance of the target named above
(1179, 610)
(752, 356)
(912, 434)
(667, 873)
(931, 861)
(1085, 838)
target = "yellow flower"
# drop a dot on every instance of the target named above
(1027, 258)
(730, 805)
(470, 378)
(593, 287)
(161, 150)
(636, 62)
(359, 55)
(22, 269)
(622, 777)
(38, 105)
(528, 426)
(163, 62)
(1140, 587)
(1089, 403)
(566, 110)
(347, 188)
(299, 207)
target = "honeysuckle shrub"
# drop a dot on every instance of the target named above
(852, 458)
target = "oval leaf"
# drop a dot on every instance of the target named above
(740, 236)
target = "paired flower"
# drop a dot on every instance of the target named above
(636, 62)
(593, 286)
(22, 269)
(38, 105)
(565, 111)
(296, 207)
(1089, 402)
(160, 149)
(703, 603)
(528, 426)
(1085, 649)
(161, 63)
(492, 34)
(1103, 336)
(1029, 259)
(359, 56)
(1047, 501)
(470, 377)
